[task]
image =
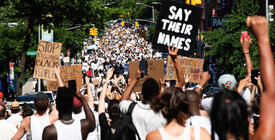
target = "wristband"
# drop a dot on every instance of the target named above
(199, 86)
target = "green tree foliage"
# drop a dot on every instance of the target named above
(135, 11)
(226, 42)
(53, 14)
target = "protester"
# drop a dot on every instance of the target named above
(113, 129)
(229, 116)
(16, 117)
(67, 127)
(7, 130)
(33, 125)
(78, 112)
(150, 93)
(260, 28)
(174, 107)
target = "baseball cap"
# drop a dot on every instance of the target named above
(15, 105)
(77, 102)
(227, 81)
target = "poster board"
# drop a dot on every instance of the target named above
(177, 25)
(155, 68)
(68, 73)
(96, 82)
(46, 59)
(189, 66)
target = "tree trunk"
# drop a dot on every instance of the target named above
(23, 57)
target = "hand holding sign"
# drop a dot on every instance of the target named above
(177, 25)
(173, 52)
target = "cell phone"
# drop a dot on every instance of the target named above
(72, 85)
(116, 71)
(254, 73)
(244, 35)
(143, 66)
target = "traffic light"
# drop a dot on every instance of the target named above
(193, 2)
(94, 31)
(122, 23)
(91, 31)
(136, 24)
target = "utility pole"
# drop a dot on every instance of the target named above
(39, 80)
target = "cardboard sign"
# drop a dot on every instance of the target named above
(177, 26)
(189, 66)
(155, 68)
(96, 82)
(68, 73)
(46, 59)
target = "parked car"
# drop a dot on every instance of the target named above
(29, 97)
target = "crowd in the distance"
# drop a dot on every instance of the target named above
(106, 108)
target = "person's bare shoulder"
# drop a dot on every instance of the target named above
(153, 135)
(204, 134)
(26, 123)
(49, 133)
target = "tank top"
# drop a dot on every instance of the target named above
(37, 126)
(68, 132)
(184, 136)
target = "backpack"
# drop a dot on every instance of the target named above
(130, 131)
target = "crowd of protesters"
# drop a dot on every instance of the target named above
(106, 108)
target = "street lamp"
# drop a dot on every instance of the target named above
(153, 10)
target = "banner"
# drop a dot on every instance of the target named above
(155, 68)
(12, 70)
(177, 25)
(68, 73)
(189, 66)
(46, 59)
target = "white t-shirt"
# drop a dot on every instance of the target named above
(199, 121)
(144, 118)
(7, 130)
(15, 119)
(207, 102)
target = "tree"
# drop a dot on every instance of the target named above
(52, 14)
(226, 42)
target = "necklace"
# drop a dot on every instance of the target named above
(67, 121)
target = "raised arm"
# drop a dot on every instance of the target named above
(126, 94)
(243, 83)
(90, 94)
(205, 76)
(260, 27)
(101, 104)
(88, 124)
(246, 43)
(173, 54)
(57, 73)
(266, 129)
